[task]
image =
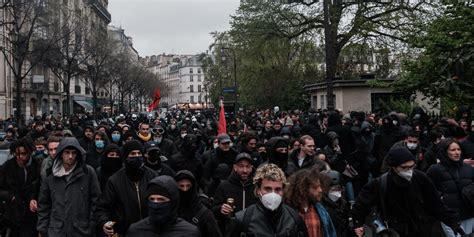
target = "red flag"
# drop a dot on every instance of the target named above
(222, 123)
(156, 100)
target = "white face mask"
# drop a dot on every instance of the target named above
(271, 201)
(334, 195)
(395, 122)
(215, 145)
(412, 146)
(183, 135)
(406, 174)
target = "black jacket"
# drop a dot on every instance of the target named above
(67, 203)
(242, 193)
(180, 228)
(449, 178)
(124, 201)
(193, 211)
(411, 207)
(308, 162)
(217, 156)
(168, 148)
(20, 183)
(174, 227)
(284, 221)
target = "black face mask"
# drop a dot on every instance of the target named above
(135, 167)
(159, 213)
(111, 164)
(186, 197)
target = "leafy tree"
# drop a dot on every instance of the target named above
(334, 24)
(445, 66)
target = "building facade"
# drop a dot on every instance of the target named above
(42, 92)
(183, 78)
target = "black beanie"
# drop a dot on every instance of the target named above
(154, 188)
(281, 143)
(130, 146)
(399, 155)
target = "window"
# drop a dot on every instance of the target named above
(191, 79)
(199, 78)
(199, 70)
(191, 70)
(191, 99)
(199, 88)
(200, 98)
(191, 88)
(322, 102)
(77, 89)
(88, 91)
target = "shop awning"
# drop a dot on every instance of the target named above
(84, 104)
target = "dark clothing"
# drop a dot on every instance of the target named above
(284, 221)
(180, 228)
(242, 193)
(185, 161)
(20, 183)
(430, 157)
(450, 177)
(33, 134)
(412, 208)
(93, 158)
(339, 213)
(193, 211)
(86, 144)
(67, 202)
(217, 157)
(168, 148)
(172, 226)
(384, 140)
(161, 169)
(124, 201)
(308, 162)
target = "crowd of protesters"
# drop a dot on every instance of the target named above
(273, 173)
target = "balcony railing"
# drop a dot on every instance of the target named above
(101, 10)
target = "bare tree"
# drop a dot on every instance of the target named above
(99, 51)
(25, 41)
(67, 57)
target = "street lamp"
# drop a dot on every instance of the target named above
(235, 73)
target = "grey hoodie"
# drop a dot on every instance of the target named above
(67, 142)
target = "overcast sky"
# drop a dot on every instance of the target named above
(171, 26)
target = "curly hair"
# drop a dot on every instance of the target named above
(296, 193)
(25, 142)
(268, 171)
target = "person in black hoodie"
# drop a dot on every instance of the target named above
(163, 203)
(450, 176)
(187, 158)
(87, 140)
(155, 161)
(190, 207)
(123, 201)
(277, 153)
(110, 163)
